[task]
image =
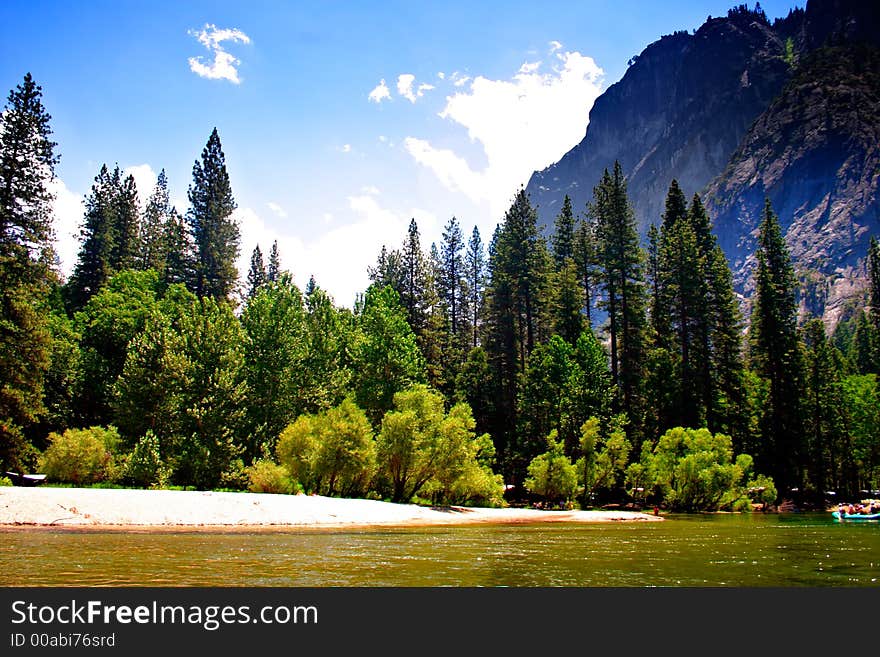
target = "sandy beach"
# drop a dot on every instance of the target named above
(168, 509)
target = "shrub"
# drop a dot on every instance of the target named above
(144, 466)
(551, 474)
(81, 456)
(266, 476)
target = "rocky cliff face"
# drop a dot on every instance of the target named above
(740, 109)
(815, 153)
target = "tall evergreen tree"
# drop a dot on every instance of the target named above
(153, 226)
(622, 279)
(125, 251)
(94, 266)
(563, 239)
(516, 316)
(256, 277)
(586, 261)
(179, 252)
(775, 355)
(451, 282)
(214, 230)
(274, 269)
(823, 405)
(27, 166)
(414, 272)
(475, 264)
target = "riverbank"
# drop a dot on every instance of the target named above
(171, 509)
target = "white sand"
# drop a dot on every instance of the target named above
(88, 507)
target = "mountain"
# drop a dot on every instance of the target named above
(743, 108)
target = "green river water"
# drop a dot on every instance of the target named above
(788, 550)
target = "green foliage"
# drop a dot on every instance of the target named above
(695, 470)
(622, 280)
(5, 481)
(422, 449)
(330, 453)
(144, 466)
(387, 358)
(552, 475)
(109, 321)
(81, 456)
(266, 476)
(274, 361)
(775, 355)
(214, 231)
(861, 399)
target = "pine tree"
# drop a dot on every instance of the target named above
(727, 412)
(563, 240)
(586, 261)
(451, 283)
(388, 271)
(97, 241)
(126, 247)
(516, 318)
(179, 254)
(27, 166)
(413, 265)
(823, 402)
(274, 270)
(775, 355)
(256, 277)
(475, 263)
(214, 230)
(622, 279)
(153, 226)
(568, 322)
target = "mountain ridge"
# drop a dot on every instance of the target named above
(696, 107)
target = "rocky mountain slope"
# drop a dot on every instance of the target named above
(740, 109)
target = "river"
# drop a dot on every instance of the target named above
(724, 550)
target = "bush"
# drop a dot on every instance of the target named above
(5, 481)
(266, 476)
(144, 466)
(695, 470)
(551, 474)
(81, 456)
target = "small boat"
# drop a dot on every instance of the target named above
(19, 479)
(855, 516)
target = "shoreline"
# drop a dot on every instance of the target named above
(23, 508)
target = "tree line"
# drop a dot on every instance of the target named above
(586, 365)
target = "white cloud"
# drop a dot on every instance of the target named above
(380, 93)
(223, 66)
(404, 86)
(405, 82)
(68, 212)
(441, 75)
(554, 46)
(523, 124)
(459, 79)
(277, 210)
(345, 148)
(370, 189)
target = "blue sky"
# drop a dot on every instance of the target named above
(322, 155)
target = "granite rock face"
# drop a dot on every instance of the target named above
(742, 109)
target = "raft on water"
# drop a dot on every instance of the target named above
(855, 516)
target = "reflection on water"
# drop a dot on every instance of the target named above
(721, 550)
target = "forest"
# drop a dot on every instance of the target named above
(590, 367)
